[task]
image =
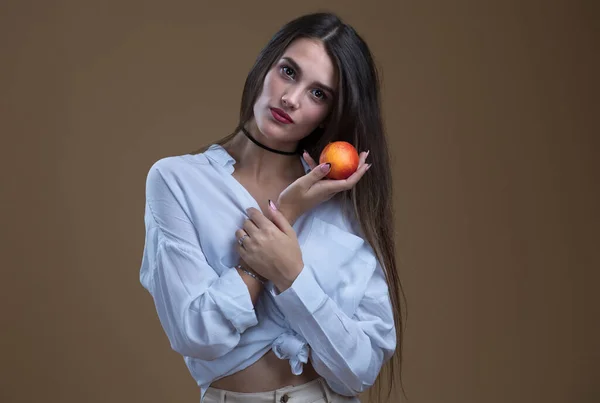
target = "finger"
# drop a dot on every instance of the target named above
(280, 220)
(339, 185)
(239, 234)
(241, 251)
(250, 227)
(314, 176)
(258, 218)
(309, 160)
(362, 158)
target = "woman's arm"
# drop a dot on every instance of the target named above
(339, 304)
(347, 350)
(202, 313)
(255, 287)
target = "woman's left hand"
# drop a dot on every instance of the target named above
(271, 248)
(314, 188)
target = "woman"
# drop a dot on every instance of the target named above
(268, 277)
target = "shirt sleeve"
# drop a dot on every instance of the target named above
(348, 346)
(203, 314)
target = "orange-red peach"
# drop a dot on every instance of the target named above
(343, 158)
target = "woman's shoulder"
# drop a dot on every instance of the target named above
(177, 167)
(179, 162)
(185, 177)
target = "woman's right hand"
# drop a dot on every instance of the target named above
(313, 188)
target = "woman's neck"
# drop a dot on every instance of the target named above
(260, 165)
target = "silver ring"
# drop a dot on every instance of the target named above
(241, 240)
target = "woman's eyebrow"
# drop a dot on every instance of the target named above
(293, 63)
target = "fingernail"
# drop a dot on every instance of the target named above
(304, 152)
(368, 151)
(272, 205)
(368, 166)
(326, 167)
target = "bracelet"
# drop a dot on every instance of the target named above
(239, 266)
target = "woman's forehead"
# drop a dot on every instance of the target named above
(311, 57)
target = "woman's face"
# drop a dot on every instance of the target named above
(301, 85)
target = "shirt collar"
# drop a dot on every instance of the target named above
(217, 153)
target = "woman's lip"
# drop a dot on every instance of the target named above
(281, 115)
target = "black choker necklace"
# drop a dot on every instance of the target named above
(265, 147)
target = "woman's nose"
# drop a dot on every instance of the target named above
(291, 98)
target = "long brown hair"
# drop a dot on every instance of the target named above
(355, 118)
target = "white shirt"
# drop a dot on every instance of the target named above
(337, 311)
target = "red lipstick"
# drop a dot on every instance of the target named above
(281, 116)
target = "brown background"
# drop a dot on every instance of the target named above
(490, 112)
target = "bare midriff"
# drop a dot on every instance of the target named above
(266, 374)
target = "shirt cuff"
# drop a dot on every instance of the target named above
(303, 298)
(233, 299)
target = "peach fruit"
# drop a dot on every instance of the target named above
(343, 158)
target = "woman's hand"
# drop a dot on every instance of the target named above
(271, 248)
(311, 189)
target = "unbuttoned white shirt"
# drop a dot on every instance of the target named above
(337, 312)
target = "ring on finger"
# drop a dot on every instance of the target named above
(241, 240)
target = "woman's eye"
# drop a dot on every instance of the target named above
(288, 71)
(319, 94)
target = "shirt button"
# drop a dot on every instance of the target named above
(284, 398)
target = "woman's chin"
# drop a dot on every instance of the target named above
(274, 131)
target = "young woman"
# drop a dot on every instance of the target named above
(273, 282)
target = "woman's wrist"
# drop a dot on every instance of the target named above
(286, 280)
(251, 273)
